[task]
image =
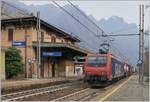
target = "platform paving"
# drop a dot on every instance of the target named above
(24, 82)
(8, 86)
(131, 91)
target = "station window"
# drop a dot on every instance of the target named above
(62, 40)
(10, 34)
(42, 36)
(53, 39)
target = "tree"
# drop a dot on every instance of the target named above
(13, 62)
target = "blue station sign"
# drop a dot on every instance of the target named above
(54, 54)
(18, 43)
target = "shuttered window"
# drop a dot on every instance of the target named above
(10, 34)
(42, 36)
(53, 39)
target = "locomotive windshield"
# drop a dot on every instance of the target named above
(98, 61)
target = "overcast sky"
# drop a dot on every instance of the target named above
(129, 10)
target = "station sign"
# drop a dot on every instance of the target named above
(54, 54)
(18, 43)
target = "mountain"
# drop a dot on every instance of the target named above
(11, 9)
(128, 45)
(118, 24)
(84, 29)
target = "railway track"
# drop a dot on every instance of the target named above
(75, 91)
(81, 95)
(85, 94)
(35, 92)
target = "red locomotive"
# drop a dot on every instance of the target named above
(103, 68)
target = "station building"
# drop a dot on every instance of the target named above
(58, 48)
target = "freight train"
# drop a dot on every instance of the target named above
(104, 68)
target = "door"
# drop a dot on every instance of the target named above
(30, 71)
(42, 68)
(53, 69)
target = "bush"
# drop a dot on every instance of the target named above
(13, 62)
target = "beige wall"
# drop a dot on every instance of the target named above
(61, 66)
(19, 35)
(2, 64)
(58, 40)
(48, 36)
(47, 69)
(69, 68)
(31, 34)
(4, 41)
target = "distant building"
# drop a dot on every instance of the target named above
(57, 47)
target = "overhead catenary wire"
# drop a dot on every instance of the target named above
(125, 59)
(2, 13)
(100, 28)
(103, 33)
(122, 29)
(85, 16)
(21, 11)
(82, 40)
(117, 35)
(75, 18)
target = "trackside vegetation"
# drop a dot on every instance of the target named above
(13, 62)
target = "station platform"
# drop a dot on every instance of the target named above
(130, 90)
(8, 86)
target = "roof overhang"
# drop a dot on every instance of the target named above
(72, 48)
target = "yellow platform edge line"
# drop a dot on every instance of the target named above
(102, 99)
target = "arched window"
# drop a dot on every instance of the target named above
(53, 39)
(42, 36)
(10, 34)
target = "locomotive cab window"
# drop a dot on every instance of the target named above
(96, 61)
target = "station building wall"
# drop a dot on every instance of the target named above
(69, 68)
(29, 52)
(2, 65)
(29, 34)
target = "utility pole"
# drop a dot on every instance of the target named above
(26, 47)
(39, 45)
(141, 43)
(139, 61)
(142, 31)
